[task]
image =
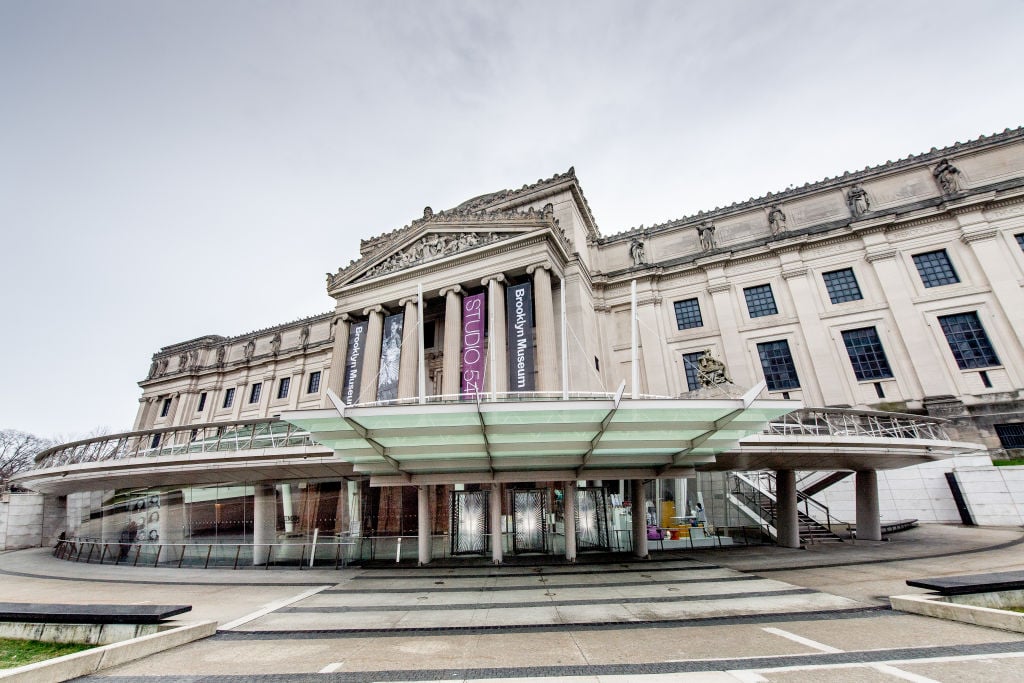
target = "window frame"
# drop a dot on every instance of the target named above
(165, 407)
(283, 386)
(868, 366)
(756, 294)
(202, 402)
(688, 313)
(930, 272)
(310, 389)
(772, 381)
(841, 292)
(229, 397)
(254, 392)
(696, 355)
(965, 361)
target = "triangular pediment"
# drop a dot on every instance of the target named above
(439, 236)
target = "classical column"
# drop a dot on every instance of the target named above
(787, 524)
(497, 352)
(497, 537)
(371, 355)
(423, 524)
(638, 507)
(548, 378)
(407, 367)
(569, 514)
(336, 371)
(451, 383)
(996, 263)
(264, 527)
(830, 384)
(869, 525)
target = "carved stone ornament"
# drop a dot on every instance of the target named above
(947, 176)
(706, 233)
(250, 349)
(433, 246)
(636, 252)
(711, 371)
(304, 337)
(222, 352)
(275, 343)
(857, 200)
(776, 220)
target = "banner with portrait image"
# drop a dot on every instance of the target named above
(519, 310)
(472, 345)
(354, 362)
(390, 355)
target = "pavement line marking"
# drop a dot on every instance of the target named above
(899, 673)
(851, 665)
(746, 676)
(331, 668)
(803, 641)
(267, 609)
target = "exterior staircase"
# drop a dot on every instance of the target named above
(753, 494)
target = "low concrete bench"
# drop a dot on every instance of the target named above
(93, 624)
(973, 583)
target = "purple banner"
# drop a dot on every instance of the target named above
(472, 345)
(354, 362)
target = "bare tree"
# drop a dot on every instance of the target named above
(17, 450)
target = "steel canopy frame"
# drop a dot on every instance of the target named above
(480, 439)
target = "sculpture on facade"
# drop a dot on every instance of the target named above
(636, 252)
(250, 349)
(304, 337)
(275, 343)
(706, 232)
(711, 371)
(947, 176)
(776, 220)
(857, 199)
(222, 353)
(432, 246)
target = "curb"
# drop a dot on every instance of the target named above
(90, 661)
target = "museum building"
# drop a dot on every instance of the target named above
(501, 377)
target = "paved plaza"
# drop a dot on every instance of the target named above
(738, 614)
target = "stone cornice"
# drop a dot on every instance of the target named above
(879, 253)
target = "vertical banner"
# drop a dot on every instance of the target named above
(472, 345)
(390, 355)
(354, 362)
(519, 305)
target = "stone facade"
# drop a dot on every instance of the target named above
(755, 278)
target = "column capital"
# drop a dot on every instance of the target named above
(530, 270)
(500, 277)
(341, 318)
(454, 289)
(408, 300)
(373, 309)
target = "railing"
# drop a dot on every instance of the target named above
(842, 422)
(199, 438)
(763, 483)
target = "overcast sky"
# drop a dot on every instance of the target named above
(174, 169)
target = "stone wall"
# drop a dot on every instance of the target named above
(29, 520)
(994, 495)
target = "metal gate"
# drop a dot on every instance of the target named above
(529, 515)
(592, 519)
(469, 522)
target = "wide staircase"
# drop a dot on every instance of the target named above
(753, 494)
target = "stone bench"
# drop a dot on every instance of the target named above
(973, 583)
(92, 624)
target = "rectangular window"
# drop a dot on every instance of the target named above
(229, 397)
(282, 387)
(688, 314)
(777, 363)
(935, 268)
(690, 368)
(842, 285)
(760, 301)
(165, 408)
(1020, 240)
(254, 394)
(314, 383)
(202, 402)
(428, 333)
(968, 341)
(866, 354)
(1011, 436)
(155, 442)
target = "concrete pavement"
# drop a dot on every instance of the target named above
(739, 614)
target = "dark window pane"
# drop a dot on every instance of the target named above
(202, 402)
(165, 408)
(777, 363)
(254, 395)
(688, 314)
(935, 268)
(866, 354)
(314, 382)
(1020, 240)
(229, 397)
(282, 387)
(968, 341)
(760, 301)
(842, 285)
(690, 368)
(1012, 435)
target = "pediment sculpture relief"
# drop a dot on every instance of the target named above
(434, 246)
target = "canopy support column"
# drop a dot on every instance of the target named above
(639, 509)
(869, 525)
(787, 524)
(423, 524)
(264, 522)
(569, 514)
(497, 538)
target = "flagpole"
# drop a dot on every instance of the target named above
(633, 329)
(422, 352)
